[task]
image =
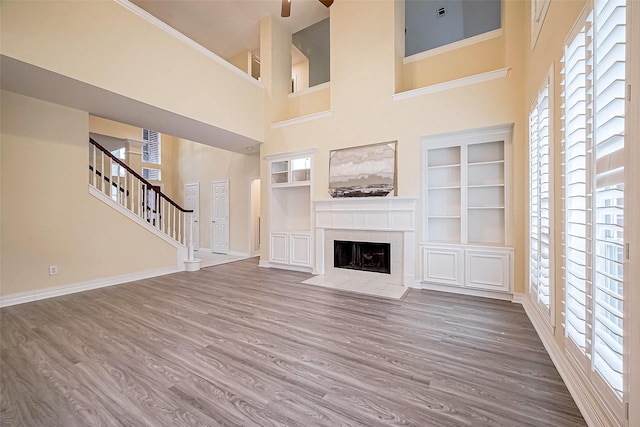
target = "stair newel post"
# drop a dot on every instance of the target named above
(191, 237)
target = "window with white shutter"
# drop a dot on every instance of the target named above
(593, 179)
(151, 174)
(540, 190)
(151, 147)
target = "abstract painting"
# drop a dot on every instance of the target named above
(365, 171)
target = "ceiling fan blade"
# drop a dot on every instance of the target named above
(286, 8)
(327, 3)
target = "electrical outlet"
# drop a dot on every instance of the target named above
(53, 270)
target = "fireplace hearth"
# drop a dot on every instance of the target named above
(364, 256)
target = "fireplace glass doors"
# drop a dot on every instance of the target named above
(364, 256)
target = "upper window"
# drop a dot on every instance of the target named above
(310, 56)
(431, 24)
(538, 13)
(540, 190)
(594, 190)
(151, 147)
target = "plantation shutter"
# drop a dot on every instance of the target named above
(539, 208)
(607, 49)
(593, 139)
(151, 148)
(577, 221)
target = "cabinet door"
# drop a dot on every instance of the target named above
(488, 270)
(443, 266)
(301, 249)
(279, 248)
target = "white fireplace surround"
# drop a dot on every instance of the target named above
(370, 219)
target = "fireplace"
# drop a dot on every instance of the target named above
(388, 220)
(365, 256)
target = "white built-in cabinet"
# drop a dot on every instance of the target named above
(466, 235)
(290, 239)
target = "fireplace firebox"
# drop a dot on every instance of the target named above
(364, 256)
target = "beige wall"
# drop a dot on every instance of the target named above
(103, 44)
(203, 164)
(364, 67)
(241, 61)
(49, 217)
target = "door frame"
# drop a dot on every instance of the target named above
(184, 200)
(226, 183)
(252, 252)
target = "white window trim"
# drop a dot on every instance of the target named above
(539, 10)
(549, 317)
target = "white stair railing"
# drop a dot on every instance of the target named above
(124, 186)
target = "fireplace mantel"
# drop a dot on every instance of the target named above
(380, 215)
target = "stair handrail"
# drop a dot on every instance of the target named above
(155, 188)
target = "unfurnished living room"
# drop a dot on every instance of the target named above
(320, 212)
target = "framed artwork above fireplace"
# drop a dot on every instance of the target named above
(364, 171)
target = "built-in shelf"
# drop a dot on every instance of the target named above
(290, 237)
(465, 208)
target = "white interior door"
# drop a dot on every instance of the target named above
(220, 217)
(192, 202)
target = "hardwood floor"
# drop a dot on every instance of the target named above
(239, 345)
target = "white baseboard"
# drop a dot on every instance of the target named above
(267, 264)
(264, 264)
(579, 387)
(23, 297)
(411, 282)
(518, 298)
(505, 296)
(207, 250)
(236, 253)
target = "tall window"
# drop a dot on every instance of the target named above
(151, 147)
(540, 244)
(593, 145)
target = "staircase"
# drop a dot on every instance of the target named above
(116, 183)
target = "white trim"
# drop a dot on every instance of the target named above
(308, 117)
(311, 89)
(186, 40)
(202, 249)
(518, 298)
(182, 250)
(504, 296)
(538, 22)
(291, 154)
(453, 46)
(583, 393)
(289, 267)
(453, 84)
(264, 264)
(238, 253)
(252, 234)
(23, 297)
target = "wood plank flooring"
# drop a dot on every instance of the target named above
(239, 345)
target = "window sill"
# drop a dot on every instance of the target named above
(453, 46)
